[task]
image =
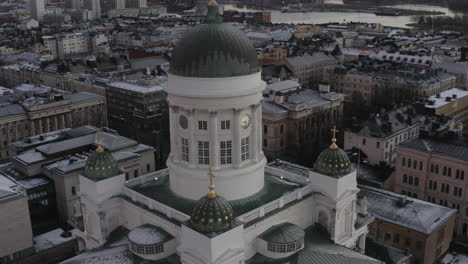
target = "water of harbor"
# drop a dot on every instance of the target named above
(278, 17)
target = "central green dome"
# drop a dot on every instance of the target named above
(214, 50)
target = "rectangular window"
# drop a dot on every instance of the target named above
(225, 124)
(226, 152)
(363, 141)
(185, 150)
(203, 125)
(265, 129)
(245, 149)
(281, 129)
(403, 161)
(204, 152)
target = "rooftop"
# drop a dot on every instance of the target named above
(442, 98)
(160, 191)
(319, 249)
(442, 146)
(398, 209)
(9, 189)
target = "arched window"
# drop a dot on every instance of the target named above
(135, 173)
(416, 181)
(405, 178)
(410, 180)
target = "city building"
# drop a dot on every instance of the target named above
(137, 109)
(218, 201)
(16, 240)
(37, 9)
(310, 70)
(135, 4)
(296, 120)
(452, 103)
(60, 156)
(30, 110)
(378, 136)
(123, 12)
(94, 6)
(457, 69)
(107, 5)
(374, 83)
(68, 45)
(422, 229)
(434, 169)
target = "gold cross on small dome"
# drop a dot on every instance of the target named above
(333, 145)
(211, 194)
(99, 148)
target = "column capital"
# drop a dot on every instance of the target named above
(213, 113)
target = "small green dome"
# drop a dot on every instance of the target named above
(101, 165)
(214, 50)
(333, 161)
(212, 215)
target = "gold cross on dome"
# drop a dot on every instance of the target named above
(211, 194)
(334, 131)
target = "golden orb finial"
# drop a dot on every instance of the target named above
(211, 194)
(213, 3)
(334, 145)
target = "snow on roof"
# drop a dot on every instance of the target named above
(148, 235)
(441, 101)
(51, 239)
(136, 87)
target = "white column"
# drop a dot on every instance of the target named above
(254, 133)
(173, 120)
(213, 134)
(236, 139)
(259, 129)
(192, 141)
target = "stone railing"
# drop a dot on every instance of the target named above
(152, 204)
(276, 204)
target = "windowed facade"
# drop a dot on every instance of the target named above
(203, 125)
(225, 125)
(245, 149)
(185, 150)
(204, 152)
(285, 248)
(226, 152)
(147, 249)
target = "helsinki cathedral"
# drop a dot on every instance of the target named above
(219, 201)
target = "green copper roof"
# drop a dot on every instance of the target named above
(101, 165)
(212, 214)
(333, 162)
(214, 50)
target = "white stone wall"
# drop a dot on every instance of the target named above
(213, 100)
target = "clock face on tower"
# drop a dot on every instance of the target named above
(245, 121)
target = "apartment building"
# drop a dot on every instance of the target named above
(68, 45)
(423, 230)
(385, 83)
(311, 69)
(15, 74)
(452, 103)
(434, 169)
(378, 136)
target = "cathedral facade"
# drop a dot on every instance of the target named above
(219, 201)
